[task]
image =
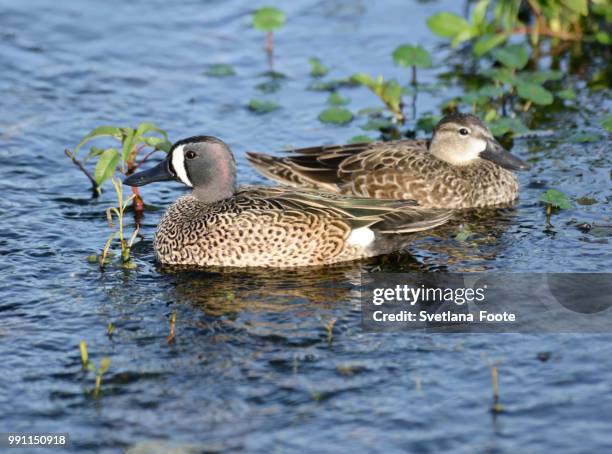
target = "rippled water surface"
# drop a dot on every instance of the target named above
(251, 366)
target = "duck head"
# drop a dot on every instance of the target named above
(461, 139)
(203, 163)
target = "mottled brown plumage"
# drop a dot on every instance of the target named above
(454, 170)
(269, 227)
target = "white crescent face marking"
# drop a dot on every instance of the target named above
(178, 164)
(362, 236)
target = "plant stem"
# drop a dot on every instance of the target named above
(96, 189)
(414, 76)
(270, 42)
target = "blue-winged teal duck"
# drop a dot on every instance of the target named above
(462, 166)
(219, 225)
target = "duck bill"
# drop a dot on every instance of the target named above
(161, 172)
(502, 157)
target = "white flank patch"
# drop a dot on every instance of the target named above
(363, 236)
(178, 164)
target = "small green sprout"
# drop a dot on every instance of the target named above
(97, 371)
(317, 69)
(268, 19)
(171, 334)
(496, 407)
(554, 199)
(329, 328)
(110, 329)
(606, 122)
(119, 211)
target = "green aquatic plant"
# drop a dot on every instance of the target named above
(172, 333)
(268, 19)
(97, 371)
(317, 69)
(262, 106)
(145, 138)
(389, 92)
(554, 199)
(335, 99)
(496, 407)
(336, 115)
(220, 70)
(493, 23)
(119, 212)
(412, 57)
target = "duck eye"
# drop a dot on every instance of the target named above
(190, 154)
(464, 131)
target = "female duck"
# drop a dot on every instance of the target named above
(462, 166)
(217, 225)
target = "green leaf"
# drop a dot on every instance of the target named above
(568, 94)
(335, 99)
(268, 19)
(577, 6)
(336, 115)
(503, 75)
(513, 56)
(360, 139)
(428, 123)
(100, 131)
(128, 144)
(603, 37)
(106, 165)
(556, 199)
(539, 77)
(447, 25)
(408, 55)
(93, 152)
(317, 69)
(261, 106)
(146, 127)
(606, 122)
(220, 70)
(479, 13)
(503, 125)
(158, 143)
(535, 93)
(487, 42)
(104, 365)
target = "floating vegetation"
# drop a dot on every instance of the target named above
(317, 69)
(220, 70)
(261, 106)
(335, 99)
(360, 138)
(336, 115)
(110, 330)
(268, 19)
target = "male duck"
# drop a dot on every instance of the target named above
(219, 225)
(462, 166)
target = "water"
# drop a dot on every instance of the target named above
(250, 367)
